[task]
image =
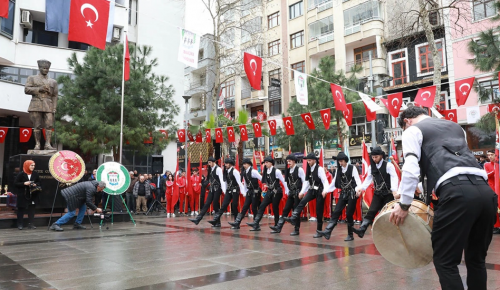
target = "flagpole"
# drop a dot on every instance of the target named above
(125, 29)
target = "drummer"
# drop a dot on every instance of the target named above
(385, 180)
(465, 214)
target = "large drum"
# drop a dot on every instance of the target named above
(408, 245)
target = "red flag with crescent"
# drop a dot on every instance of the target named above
(450, 115)
(88, 22)
(253, 69)
(199, 137)
(425, 96)
(308, 120)
(3, 133)
(370, 116)
(288, 123)
(218, 135)
(394, 102)
(348, 114)
(181, 135)
(326, 117)
(272, 127)
(493, 107)
(230, 134)
(243, 133)
(208, 136)
(462, 90)
(338, 97)
(190, 136)
(25, 134)
(257, 130)
(164, 133)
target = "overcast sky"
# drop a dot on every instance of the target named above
(197, 17)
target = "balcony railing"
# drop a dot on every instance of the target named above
(196, 85)
(357, 27)
(360, 62)
(325, 6)
(325, 38)
(229, 103)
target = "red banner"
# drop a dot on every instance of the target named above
(253, 69)
(3, 133)
(394, 104)
(199, 137)
(288, 123)
(257, 130)
(164, 133)
(326, 117)
(208, 136)
(230, 134)
(462, 90)
(338, 97)
(272, 127)
(243, 133)
(218, 135)
(370, 116)
(308, 120)
(450, 115)
(25, 134)
(88, 22)
(425, 96)
(348, 114)
(181, 135)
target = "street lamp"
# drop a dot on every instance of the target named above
(186, 99)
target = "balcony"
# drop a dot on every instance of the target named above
(378, 66)
(324, 6)
(325, 38)
(229, 103)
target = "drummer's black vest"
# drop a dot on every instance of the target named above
(344, 178)
(443, 148)
(380, 176)
(293, 180)
(251, 183)
(313, 178)
(270, 179)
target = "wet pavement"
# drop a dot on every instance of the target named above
(173, 253)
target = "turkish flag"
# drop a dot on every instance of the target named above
(164, 133)
(425, 96)
(126, 75)
(261, 116)
(257, 130)
(88, 22)
(25, 134)
(230, 134)
(370, 116)
(253, 69)
(181, 135)
(43, 131)
(308, 120)
(3, 133)
(326, 117)
(450, 115)
(394, 103)
(348, 114)
(462, 90)
(287, 121)
(199, 137)
(146, 141)
(190, 136)
(243, 133)
(218, 135)
(493, 107)
(208, 136)
(272, 127)
(338, 97)
(4, 8)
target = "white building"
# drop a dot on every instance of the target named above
(23, 41)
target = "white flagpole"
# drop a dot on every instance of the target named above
(124, 35)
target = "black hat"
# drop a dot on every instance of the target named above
(291, 157)
(229, 161)
(247, 161)
(269, 159)
(377, 151)
(342, 156)
(211, 159)
(311, 156)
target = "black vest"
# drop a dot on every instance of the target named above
(443, 148)
(270, 179)
(214, 179)
(250, 182)
(231, 180)
(381, 179)
(293, 180)
(345, 180)
(313, 178)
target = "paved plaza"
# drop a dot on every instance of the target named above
(161, 253)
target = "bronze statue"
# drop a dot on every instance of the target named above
(43, 103)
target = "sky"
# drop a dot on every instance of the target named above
(197, 17)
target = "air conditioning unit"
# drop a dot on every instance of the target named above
(117, 32)
(26, 19)
(278, 154)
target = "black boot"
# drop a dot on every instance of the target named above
(293, 219)
(197, 219)
(362, 229)
(216, 220)
(255, 224)
(350, 236)
(236, 224)
(328, 230)
(295, 232)
(277, 228)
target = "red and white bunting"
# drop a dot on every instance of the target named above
(218, 135)
(230, 134)
(208, 136)
(462, 90)
(257, 130)
(288, 123)
(394, 103)
(338, 97)
(326, 117)
(253, 69)
(450, 115)
(308, 120)
(243, 133)
(272, 127)
(425, 96)
(181, 135)
(3, 133)
(348, 114)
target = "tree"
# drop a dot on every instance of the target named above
(88, 113)
(320, 97)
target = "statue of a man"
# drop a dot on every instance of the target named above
(43, 104)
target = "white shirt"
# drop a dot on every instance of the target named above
(391, 170)
(280, 177)
(412, 143)
(219, 173)
(236, 174)
(255, 174)
(301, 173)
(321, 175)
(355, 175)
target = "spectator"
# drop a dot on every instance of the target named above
(161, 187)
(169, 195)
(358, 167)
(93, 175)
(98, 195)
(27, 200)
(141, 193)
(150, 177)
(482, 160)
(136, 174)
(129, 194)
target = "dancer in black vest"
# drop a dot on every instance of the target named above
(314, 184)
(216, 187)
(346, 179)
(234, 188)
(385, 180)
(271, 177)
(466, 206)
(294, 177)
(251, 178)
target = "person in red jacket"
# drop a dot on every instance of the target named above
(181, 184)
(489, 167)
(169, 196)
(196, 190)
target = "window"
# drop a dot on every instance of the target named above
(300, 66)
(255, 50)
(200, 54)
(273, 20)
(483, 9)
(227, 89)
(355, 16)
(275, 107)
(490, 88)
(275, 74)
(321, 27)
(20, 75)
(40, 36)
(359, 126)
(363, 53)
(297, 39)
(398, 67)
(274, 47)
(247, 5)
(434, 18)
(250, 27)
(315, 3)
(424, 54)
(296, 10)
(78, 45)
(7, 24)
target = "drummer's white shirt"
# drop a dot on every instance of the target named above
(412, 143)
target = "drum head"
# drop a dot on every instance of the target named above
(408, 245)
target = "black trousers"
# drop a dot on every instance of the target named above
(233, 198)
(98, 197)
(202, 194)
(30, 209)
(320, 206)
(130, 200)
(463, 223)
(342, 203)
(212, 196)
(252, 199)
(377, 204)
(274, 199)
(291, 203)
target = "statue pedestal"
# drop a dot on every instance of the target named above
(42, 152)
